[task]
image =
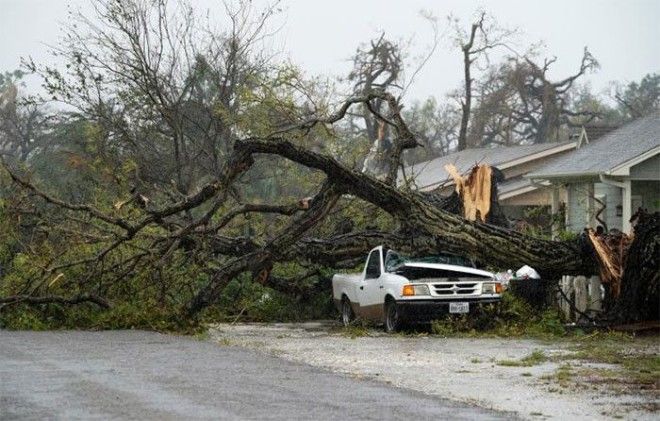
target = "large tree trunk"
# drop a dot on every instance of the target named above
(639, 299)
(435, 229)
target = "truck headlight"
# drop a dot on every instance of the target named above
(410, 290)
(491, 288)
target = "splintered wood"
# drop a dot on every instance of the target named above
(474, 190)
(611, 251)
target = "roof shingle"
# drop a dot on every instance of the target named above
(608, 152)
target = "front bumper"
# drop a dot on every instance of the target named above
(427, 310)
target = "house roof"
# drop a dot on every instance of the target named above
(625, 146)
(430, 174)
(510, 188)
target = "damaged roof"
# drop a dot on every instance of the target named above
(432, 173)
(611, 151)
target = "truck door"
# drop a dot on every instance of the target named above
(371, 289)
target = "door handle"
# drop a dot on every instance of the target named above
(362, 287)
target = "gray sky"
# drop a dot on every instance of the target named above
(320, 36)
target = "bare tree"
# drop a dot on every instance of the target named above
(518, 103)
(483, 36)
(435, 126)
(543, 105)
(162, 87)
(377, 66)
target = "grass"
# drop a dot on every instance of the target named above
(224, 342)
(630, 363)
(564, 374)
(644, 370)
(202, 336)
(355, 331)
(535, 358)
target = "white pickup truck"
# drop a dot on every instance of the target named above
(396, 290)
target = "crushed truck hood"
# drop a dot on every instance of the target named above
(452, 268)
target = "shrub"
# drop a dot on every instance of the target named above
(511, 317)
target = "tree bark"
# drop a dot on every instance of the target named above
(639, 299)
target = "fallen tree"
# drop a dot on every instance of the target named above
(173, 132)
(423, 226)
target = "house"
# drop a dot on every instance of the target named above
(516, 194)
(605, 181)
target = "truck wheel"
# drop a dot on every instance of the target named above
(347, 315)
(392, 317)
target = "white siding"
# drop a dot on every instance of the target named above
(577, 206)
(647, 170)
(613, 197)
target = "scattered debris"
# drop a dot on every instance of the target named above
(527, 272)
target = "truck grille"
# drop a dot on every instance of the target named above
(450, 288)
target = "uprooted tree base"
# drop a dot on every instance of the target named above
(426, 223)
(639, 298)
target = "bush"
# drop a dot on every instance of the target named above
(85, 316)
(250, 301)
(511, 317)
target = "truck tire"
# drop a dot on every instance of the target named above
(347, 315)
(392, 317)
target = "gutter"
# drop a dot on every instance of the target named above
(611, 182)
(538, 184)
(541, 176)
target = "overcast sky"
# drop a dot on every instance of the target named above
(320, 36)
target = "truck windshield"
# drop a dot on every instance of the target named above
(394, 259)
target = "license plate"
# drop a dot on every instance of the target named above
(459, 308)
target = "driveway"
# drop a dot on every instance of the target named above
(485, 371)
(144, 375)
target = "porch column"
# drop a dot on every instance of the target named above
(591, 214)
(554, 211)
(627, 206)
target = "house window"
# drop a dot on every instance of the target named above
(619, 210)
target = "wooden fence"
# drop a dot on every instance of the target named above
(580, 295)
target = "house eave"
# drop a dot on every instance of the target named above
(561, 176)
(517, 192)
(623, 170)
(537, 155)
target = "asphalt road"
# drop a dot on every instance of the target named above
(144, 375)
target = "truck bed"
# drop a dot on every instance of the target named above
(345, 283)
